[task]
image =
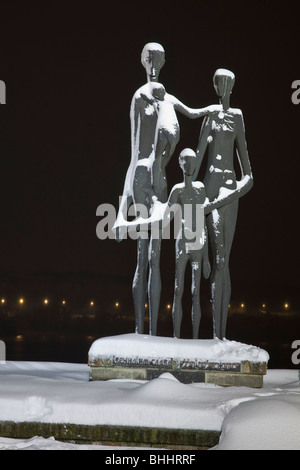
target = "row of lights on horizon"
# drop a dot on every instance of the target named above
(286, 306)
(46, 301)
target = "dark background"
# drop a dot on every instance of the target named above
(70, 72)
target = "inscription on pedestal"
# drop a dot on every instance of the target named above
(175, 364)
(141, 362)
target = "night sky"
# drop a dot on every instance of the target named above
(70, 73)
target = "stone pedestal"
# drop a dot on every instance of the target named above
(143, 357)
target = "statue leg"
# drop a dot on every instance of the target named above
(142, 179)
(139, 285)
(229, 230)
(154, 282)
(181, 261)
(215, 236)
(221, 227)
(196, 308)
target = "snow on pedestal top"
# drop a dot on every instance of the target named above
(135, 345)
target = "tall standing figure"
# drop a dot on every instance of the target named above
(223, 137)
(151, 147)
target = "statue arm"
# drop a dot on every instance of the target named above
(206, 264)
(189, 112)
(134, 123)
(202, 145)
(242, 151)
(148, 98)
(173, 198)
(226, 196)
(172, 202)
(156, 170)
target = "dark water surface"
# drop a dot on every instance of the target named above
(274, 333)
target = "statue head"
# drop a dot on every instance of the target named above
(158, 91)
(223, 82)
(153, 59)
(187, 161)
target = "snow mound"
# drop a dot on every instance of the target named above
(268, 424)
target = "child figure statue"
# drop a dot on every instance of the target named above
(190, 198)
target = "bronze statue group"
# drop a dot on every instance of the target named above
(154, 136)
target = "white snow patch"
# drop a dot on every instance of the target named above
(266, 418)
(155, 347)
(272, 423)
(40, 443)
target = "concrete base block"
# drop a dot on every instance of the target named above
(224, 379)
(227, 379)
(187, 439)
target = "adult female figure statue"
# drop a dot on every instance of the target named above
(223, 136)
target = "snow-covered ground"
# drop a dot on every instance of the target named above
(266, 418)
